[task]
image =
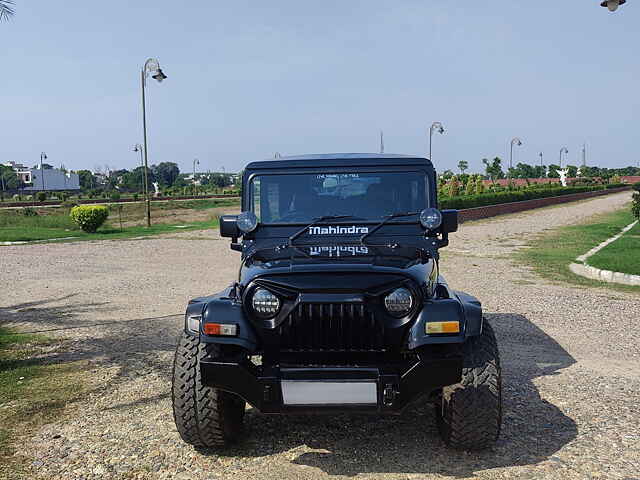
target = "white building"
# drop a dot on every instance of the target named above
(46, 179)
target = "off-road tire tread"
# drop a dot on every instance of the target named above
(205, 417)
(470, 413)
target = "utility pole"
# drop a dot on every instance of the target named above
(381, 141)
(584, 154)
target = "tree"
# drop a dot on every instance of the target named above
(447, 174)
(493, 168)
(572, 171)
(166, 173)
(553, 171)
(8, 178)
(6, 9)
(87, 180)
(463, 165)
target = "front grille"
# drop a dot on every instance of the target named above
(341, 327)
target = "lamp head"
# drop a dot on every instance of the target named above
(612, 5)
(159, 75)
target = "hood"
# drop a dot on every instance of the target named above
(336, 258)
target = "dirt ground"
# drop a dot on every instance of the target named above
(570, 356)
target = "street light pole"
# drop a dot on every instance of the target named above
(42, 156)
(138, 148)
(195, 162)
(514, 141)
(435, 126)
(562, 150)
(151, 65)
(541, 166)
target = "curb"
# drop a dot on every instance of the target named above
(585, 270)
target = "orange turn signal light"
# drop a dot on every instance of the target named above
(220, 329)
(443, 327)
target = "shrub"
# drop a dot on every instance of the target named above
(498, 197)
(41, 196)
(89, 217)
(29, 212)
(135, 197)
(69, 204)
(115, 196)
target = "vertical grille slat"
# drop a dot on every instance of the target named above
(334, 327)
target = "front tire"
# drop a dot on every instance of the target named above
(205, 417)
(470, 412)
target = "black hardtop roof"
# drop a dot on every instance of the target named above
(340, 160)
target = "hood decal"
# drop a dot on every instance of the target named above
(338, 250)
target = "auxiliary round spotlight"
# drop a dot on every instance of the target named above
(431, 218)
(247, 222)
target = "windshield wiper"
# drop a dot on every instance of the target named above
(383, 223)
(315, 222)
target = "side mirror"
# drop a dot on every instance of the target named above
(449, 221)
(229, 226)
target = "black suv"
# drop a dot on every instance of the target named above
(338, 306)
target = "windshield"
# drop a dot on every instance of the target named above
(303, 197)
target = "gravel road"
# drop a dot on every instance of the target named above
(571, 360)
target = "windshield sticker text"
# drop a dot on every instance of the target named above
(336, 230)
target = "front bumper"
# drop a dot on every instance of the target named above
(391, 387)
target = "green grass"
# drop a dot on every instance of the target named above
(550, 253)
(110, 232)
(54, 223)
(32, 393)
(623, 255)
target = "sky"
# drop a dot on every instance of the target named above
(247, 79)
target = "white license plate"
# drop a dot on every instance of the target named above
(300, 392)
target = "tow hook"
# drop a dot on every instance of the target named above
(388, 395)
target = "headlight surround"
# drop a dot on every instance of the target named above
(264, 303)
(430, 218)
(247, 222)
(399, 302)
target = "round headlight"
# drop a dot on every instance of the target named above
(247, 222)
(430, 218)
(265, 304)
(399, 302)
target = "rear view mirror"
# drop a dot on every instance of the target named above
(449, 221)
(229, 226)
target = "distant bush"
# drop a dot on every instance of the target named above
(29, 212)
(41, 196)
(635, 205)
(114, 196)
(135, 197)
(89, 217)
(69, 204)
(498, 197)
(615, 185)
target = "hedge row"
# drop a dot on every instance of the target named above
(485, 199)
